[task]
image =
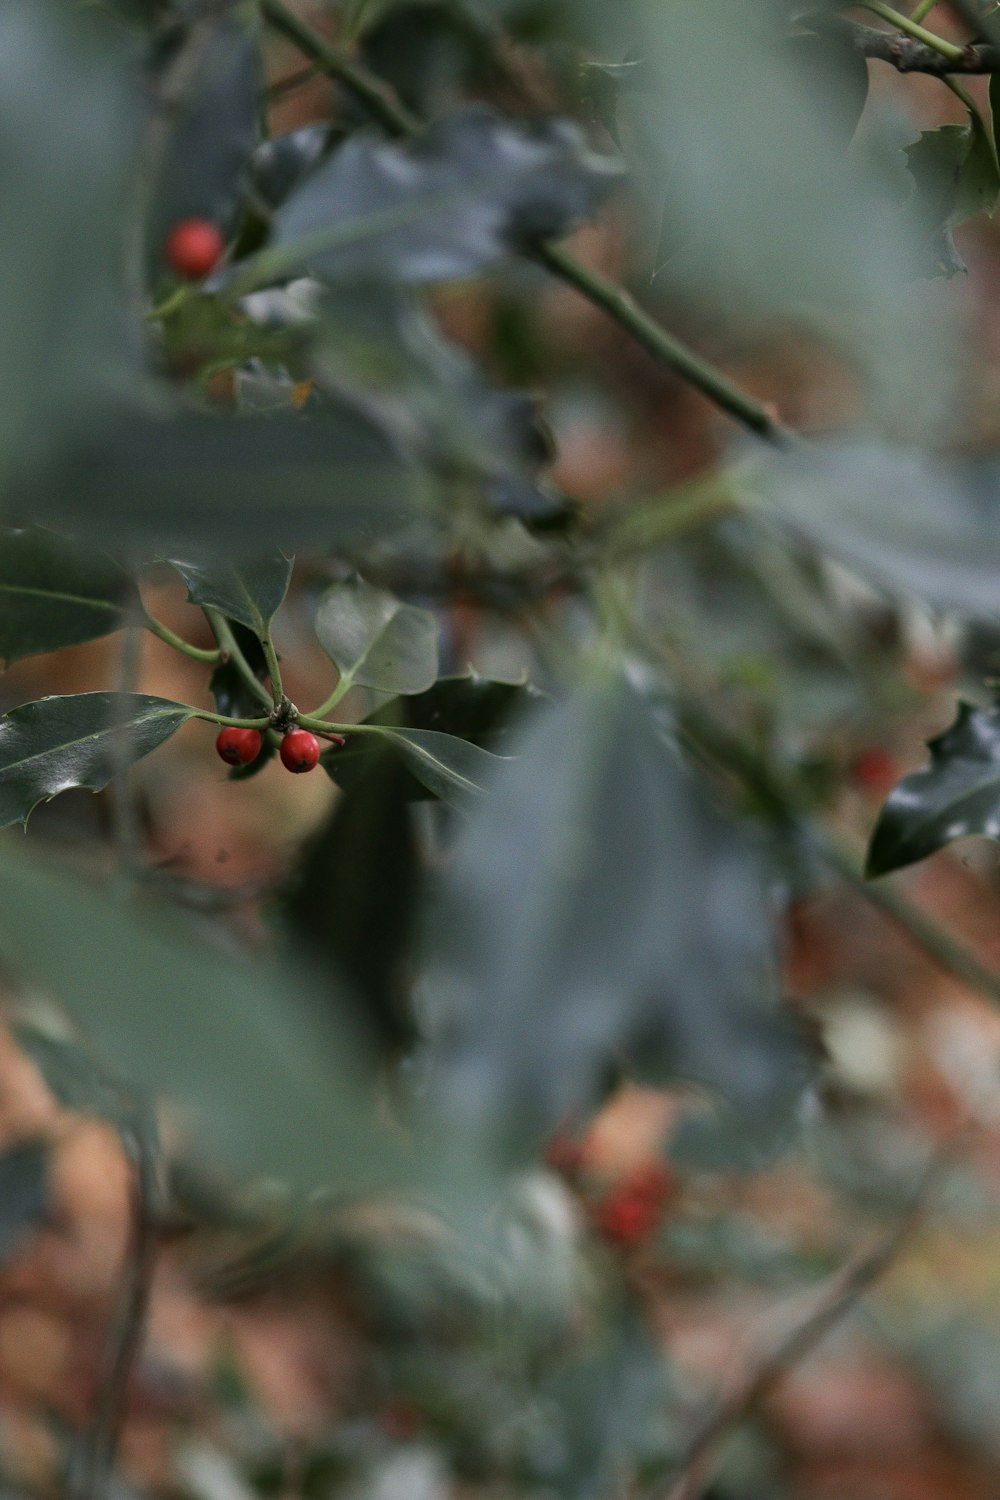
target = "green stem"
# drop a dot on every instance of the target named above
(617, 303)
(380, 99)
(273, 669)
(922, 11)
(230, 651)
(340, 691)
(170, 303)
(196, 653)
(227, 721)
(664, 347)
(912, 28)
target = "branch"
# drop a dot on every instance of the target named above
(612, 299)
(101, 1446)
(834, 1303)
(906, 54)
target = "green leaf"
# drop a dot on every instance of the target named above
(375, 640)
(448, 767)
(908, 521)
(68, 354)
(263, 1063)
(250, 593)
(478, 709)
(213, 131)
(352, 900)
(24, 1195)
(956, 795)
(470, 190)
(597, 909)
(54, 593)
(957, 176)
(235, 484)
(54, 744)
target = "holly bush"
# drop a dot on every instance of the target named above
(587, 739)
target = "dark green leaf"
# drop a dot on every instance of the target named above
(236, 484)
(471, 190)
(957, 794)
(474, 708)
(909, 521)
(353, 897)
(957, 176)
(74, 1076)
(280, 164)
(54, 744)
(250, 593)
(449, 768)
(23, 1193)
(267, 1069)
(67, 352)
(375, 640)
(213, 131)
(54, 593)
(438, 399)
(595, 909)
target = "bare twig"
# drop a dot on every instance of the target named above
(835, 1302)
(101, 1446)
(907, 55)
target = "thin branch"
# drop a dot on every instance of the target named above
(836, 1301)
(612, 299)
(97, 1466)
(906, 54)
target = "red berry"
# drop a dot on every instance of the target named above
(299, 751)
(193, 248)
(625, 1218)
(653, 1183)
(238, 747)
(875, 770)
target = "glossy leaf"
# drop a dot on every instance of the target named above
(478, 709)
(68, 353)
(51, 745)
(598, 910)
(279, 165)
(438, 399)
(213, 131)
(54, 593)
(261, 1060)
(956, 795)
(470, 191)
(957, 176)
(24, 1195)
(352, 901)
(236, 484)
(250, 593)
(908, 521)
(376, 640)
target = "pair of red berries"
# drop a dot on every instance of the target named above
(240, 747)
(193, 248)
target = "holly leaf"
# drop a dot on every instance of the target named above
(469, 191)
(279, 164)
(956, 795)
(332, 479)
(250, 593)
(213, 131)
(55, 593)
(452, 769)
(352, 900)
(597, 910)
(481, 710)
(957, 176)
(261, 1059)
(54, 744)
(375, 640)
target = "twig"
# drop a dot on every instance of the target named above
(906, 54)
(612, 299)
(128, 1329)
(834, 1303)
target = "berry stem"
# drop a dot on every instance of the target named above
(196, 653)
(274, 670)
(226, 720)
(340, 691)
(230, 650)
